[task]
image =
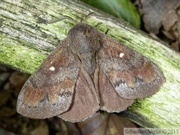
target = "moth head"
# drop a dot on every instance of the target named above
(84, 38)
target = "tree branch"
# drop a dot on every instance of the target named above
(26, 38)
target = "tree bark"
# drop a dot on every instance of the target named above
(29, 30)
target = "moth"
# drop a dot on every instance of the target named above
(87, 72)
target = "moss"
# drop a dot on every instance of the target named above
(20, 57)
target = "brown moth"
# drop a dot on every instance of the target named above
(88, 71)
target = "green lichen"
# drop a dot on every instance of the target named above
(18, 56)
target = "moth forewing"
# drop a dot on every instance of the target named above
(49, 91)
(131, 74)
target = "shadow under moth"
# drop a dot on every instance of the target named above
(88, 72)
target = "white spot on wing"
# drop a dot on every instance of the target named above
(121, 55)
(52, 68)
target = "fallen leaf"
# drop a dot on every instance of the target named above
(105, 124)
(153, 12)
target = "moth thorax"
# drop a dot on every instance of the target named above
(89, 62)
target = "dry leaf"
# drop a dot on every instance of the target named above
(60, 127)
(105, 124)
(163, 16)
(154, 11)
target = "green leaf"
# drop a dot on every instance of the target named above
(119, 8)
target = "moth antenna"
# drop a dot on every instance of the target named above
(69, 18)
(63, 18)
(86, 17)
